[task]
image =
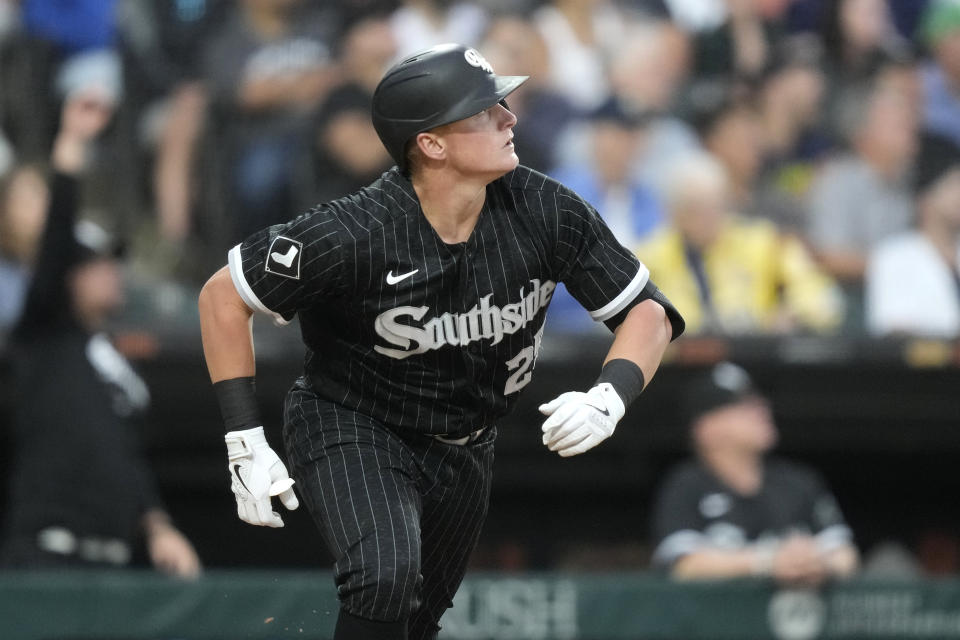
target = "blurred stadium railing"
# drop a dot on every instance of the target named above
(267, 606)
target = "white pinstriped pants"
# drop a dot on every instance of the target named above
(400, 515)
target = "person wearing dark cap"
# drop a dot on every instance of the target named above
(346, 154)
(913, 279)
(81, 493)
(605, 179)
(732, 511)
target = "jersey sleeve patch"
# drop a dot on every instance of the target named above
(283, 257)
(235, 265)
(624, 298)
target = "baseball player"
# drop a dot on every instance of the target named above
(421, 301)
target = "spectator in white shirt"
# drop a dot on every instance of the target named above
(582, 37)
(913, 279)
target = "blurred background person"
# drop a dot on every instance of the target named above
(24, 197)
(268, 71)
(940, 32)
(61, 48)
(730, 129)
(862, 196)
(582, 36)
(858, 37)
(48, 64)
(81, 493)
(605, 179)
(342, 158)
(366, 46)
(732, 511)
(789, 101)
(166, 114)
(164, 39)
(346, 153)
(513, 46)
(764, 135)
(733, 38)
(351, 11)
(648, 75)
(51, 44)
(731, 275)
(913, 278)
(420, 24)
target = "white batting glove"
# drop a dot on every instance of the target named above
(580, 421)
(258, 474)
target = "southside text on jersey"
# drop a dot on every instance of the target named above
(482, 321)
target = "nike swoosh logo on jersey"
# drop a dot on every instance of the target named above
(236, 472)
(285, 259)
(392, 279)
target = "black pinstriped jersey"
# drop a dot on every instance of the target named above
(425, 335)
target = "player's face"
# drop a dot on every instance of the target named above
(745, 426)
(481, 144)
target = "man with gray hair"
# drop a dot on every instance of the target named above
(863, 197)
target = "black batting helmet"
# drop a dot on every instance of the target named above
(443, 84)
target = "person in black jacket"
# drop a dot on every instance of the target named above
(81, 492)
(732, 510)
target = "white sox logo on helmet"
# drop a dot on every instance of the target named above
(474, 59)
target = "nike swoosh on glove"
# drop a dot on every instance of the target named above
(580, 421)
(258, 474)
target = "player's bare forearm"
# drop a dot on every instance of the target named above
(642, 338)
(225, 329)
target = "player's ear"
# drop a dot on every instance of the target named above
(431, 146)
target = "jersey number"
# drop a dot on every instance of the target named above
(522, 365)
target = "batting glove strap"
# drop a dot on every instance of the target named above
(240, 444)
(580, 421)
(257, 474)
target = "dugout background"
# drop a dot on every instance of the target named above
(879, 419)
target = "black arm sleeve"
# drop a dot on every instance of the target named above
(651, 292)
(48, 301)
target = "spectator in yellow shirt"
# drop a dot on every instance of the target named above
(730, 275)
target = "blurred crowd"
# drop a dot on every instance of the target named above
(779, 165)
